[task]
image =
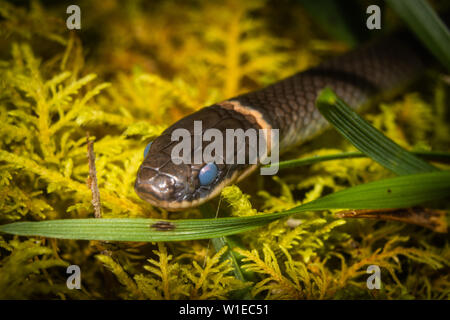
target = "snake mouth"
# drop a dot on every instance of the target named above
(146, 192)
(170, 205)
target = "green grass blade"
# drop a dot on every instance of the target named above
(368, 139)
(132, 229)
(208, 211)
(398, 192)
(426, 24)
(438, 156)
(219, 243)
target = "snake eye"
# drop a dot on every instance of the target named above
(147, 148)
(207, 174)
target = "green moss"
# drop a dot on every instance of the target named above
(138, 69)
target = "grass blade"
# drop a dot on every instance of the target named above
(368, 139)
(426, 24)
(207, 211)
(438, 156)
(398, 192)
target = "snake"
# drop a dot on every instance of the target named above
(288, 105)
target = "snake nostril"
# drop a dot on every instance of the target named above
(151, 184)
(163, 185)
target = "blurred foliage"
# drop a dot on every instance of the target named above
(133, 69)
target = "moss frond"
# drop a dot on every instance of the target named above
(31, 278)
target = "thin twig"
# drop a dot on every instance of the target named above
(92, 180)
(428, 218)
(93, 185)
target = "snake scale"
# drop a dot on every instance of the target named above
(288, 105)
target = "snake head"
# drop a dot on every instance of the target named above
(171, 185)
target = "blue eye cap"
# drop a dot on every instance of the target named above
(147, 148)
(207, 174)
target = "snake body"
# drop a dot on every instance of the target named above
(288, 105)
